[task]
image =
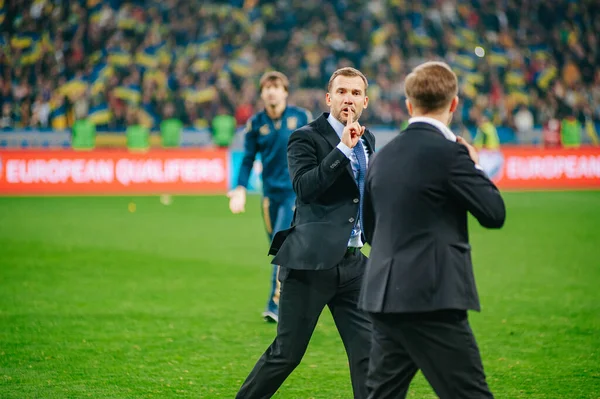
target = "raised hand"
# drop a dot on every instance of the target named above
(472, 151)
(352, 132)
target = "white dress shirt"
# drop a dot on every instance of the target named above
(338, 126)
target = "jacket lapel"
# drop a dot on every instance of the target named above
(331, 136)
(327, 131)
(369, 139)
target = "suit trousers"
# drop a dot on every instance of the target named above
(304, 294)
(440, 343)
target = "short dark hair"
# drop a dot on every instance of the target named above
(349, 72)
(431, 86)
(272, 76)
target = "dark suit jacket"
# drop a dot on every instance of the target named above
(418, 191)
(327, 199)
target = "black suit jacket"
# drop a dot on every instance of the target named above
(418, 191)
(327, 199)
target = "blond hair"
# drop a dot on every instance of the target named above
(431, 86)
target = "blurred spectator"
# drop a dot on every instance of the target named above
(589, 126)
(223, 127)
(523, 120)
(6, 119)
(570, 131)
(551, 133)
(170, 127)
(101, 57)
(40, 112)
(487, 136)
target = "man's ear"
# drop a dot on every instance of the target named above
(409, 107)
(453, 104)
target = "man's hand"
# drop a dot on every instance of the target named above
(472, 151)
(352, 132)
(237, 199)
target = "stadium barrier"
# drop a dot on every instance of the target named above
(68, 172)
(524, 168)
(214, 171)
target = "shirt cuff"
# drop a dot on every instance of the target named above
(344, 149)
(477, 166)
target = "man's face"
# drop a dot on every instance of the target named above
(273, 93)
(347, 93)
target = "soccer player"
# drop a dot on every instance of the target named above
(267, 133)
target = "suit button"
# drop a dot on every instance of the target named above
(351, 220)
(356, 200)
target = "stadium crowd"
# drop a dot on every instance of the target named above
(520, 62)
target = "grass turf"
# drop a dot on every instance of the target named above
(165, 302)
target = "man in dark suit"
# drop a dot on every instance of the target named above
(419, 281)
(320, 258)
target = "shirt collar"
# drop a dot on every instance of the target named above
(434, 122)
(336, 125)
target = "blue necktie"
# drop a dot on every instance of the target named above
(359, 152)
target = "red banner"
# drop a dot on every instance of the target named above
(536, 168)
(113, 172)
(199, 171)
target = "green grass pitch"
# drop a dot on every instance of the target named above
(164, 302)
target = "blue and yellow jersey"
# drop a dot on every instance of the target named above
(147, 116)
(202, 63)
(203, 44)
(419, 38)
(379, 36)
(539, 52)
(157, 76)
(32, 54)
(590, 130)
(469, 90)
(240, 67)
(95, 8)
(119, 57)
(100, 114)
(200, 96)
(130, 93)
(98, 77)
(127, 23)
(467, 37)
(148, 57)
(498, 57)
(269, 139)
(165, 55)
(516, 87)
(23, 40)
(546, 76)
(515, 79)
(73, 88)
(466, 60)
(58, 117)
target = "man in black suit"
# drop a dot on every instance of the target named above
(319, 256)
(419, 281)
